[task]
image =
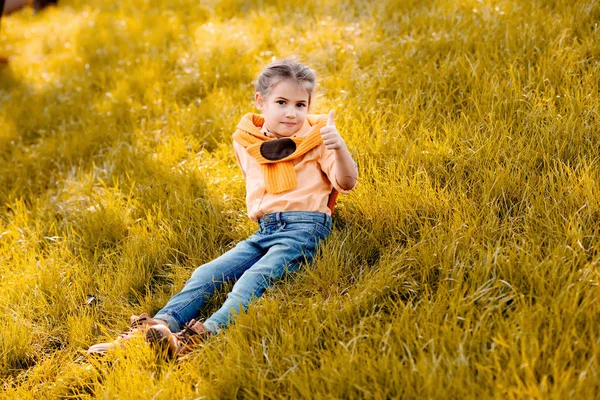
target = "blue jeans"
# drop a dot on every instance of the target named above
(282, 243)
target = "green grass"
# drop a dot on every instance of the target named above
(465, 264)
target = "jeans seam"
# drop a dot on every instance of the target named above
(326, 230)
(303, 248)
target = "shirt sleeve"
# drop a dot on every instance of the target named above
(238, 150)
(327, 162)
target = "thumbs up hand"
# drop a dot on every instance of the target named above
(331, 137)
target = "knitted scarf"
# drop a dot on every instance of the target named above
(275, 155)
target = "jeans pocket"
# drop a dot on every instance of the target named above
(322, 231)
(317, 237)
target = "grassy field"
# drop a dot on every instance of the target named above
(465, 264)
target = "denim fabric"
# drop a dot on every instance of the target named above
(282, 243)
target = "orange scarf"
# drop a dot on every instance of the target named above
(275, 155)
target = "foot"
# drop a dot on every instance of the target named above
(39, 5)
(179, 343)
(138, 324)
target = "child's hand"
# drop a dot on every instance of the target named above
(331, 137)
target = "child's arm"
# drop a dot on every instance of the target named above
(344, 169)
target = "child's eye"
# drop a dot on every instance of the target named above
(280, 102)
(300, 105)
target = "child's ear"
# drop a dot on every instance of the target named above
(259, 100)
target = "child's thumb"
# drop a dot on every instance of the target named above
(330, 118)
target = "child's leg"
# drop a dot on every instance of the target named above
(207, 278)
(290, 244)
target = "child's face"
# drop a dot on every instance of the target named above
(284, 109)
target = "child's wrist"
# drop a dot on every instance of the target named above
(342, 148)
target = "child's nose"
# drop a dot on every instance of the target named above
(290, 113)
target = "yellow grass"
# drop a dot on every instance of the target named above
(464, 265)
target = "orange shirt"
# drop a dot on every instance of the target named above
(315, 174)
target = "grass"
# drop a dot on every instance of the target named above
(465, 264)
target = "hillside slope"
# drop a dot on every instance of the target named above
(465, 264)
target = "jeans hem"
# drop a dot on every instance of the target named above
(174, 324)
(211, 326)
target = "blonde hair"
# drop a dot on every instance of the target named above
(286, 69)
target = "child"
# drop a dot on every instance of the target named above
(291, 162)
